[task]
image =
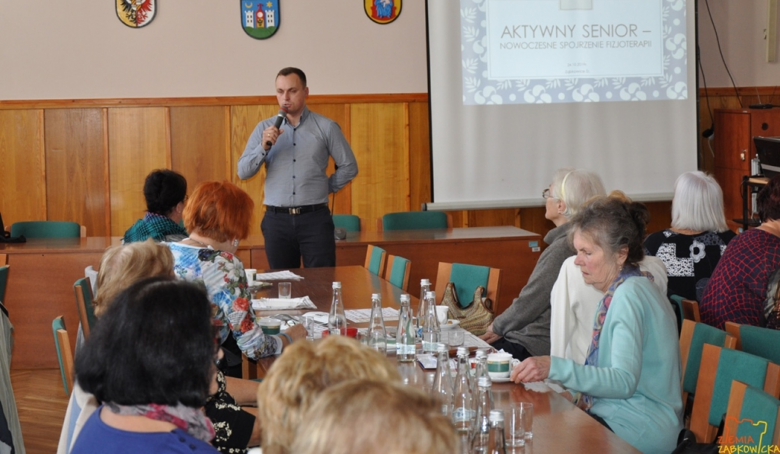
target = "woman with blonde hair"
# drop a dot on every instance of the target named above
(299, 376)
(362, 416)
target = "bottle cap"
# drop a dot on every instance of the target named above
(480, 353)
(463, 351)
(441, 347)
(376, 295)
(484, 382)
(337, 285)
(424, 282)
(496, 415)
(405, 297)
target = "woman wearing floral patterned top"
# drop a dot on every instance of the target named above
(217, 216)
(693, 246)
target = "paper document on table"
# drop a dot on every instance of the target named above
(470, 340)
(363, 315)
(278, 276)
(282, 303)
(543, 386)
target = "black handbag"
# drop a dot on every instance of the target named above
(5, 237)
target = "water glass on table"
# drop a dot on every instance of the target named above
(285, 290)
(514, 427)
(527, 409)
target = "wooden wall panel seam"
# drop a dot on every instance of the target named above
(42, 157)
(106, 173)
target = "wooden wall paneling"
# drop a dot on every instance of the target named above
(75, 168)
(199, 144)
(380, 145)
(487, 218)
(243, 122)
(341, 203)
(138, 144)
(22, 166)
(106, 173)
(419, 155)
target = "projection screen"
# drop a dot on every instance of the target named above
(520, 88)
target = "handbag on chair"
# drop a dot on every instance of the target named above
(475, 317)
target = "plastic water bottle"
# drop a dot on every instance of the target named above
(425, 287)
(442, 383)
(337, 320)
(431, 333)
(496, 440)
(377, 335)
(404, 335)
(479, 441)
(462, 402)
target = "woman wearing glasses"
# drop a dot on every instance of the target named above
(523, 329)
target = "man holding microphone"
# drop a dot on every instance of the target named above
(295, 147)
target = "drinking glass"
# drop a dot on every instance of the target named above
(514, 427)
(285, 290)
(456, 337)
(527, 409)
(308, 323)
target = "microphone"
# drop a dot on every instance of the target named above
(279, 119)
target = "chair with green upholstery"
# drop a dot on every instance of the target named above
(752, 414)
(83, 291)
(693, 336)
(677, 305)
(397, 271)
(763, 342)
(376, 258)
(64, 355)
(719, 368)
(349, 222)
(466, 279)
(3, 282)
(415, 220)
(46, 229)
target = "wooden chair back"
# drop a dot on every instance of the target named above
(376, 258)
(397, 271)
(693, 336)
(763, 342)
(719, 367)
(691, 310)
(466, 291)
(751, 413)
(86, 310)
(64, 354)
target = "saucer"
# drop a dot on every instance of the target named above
(451, 324)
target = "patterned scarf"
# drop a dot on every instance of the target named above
(598, 322)
(188, 419)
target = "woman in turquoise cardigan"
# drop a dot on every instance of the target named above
(630, 381)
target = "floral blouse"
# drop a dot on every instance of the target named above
(223, 275)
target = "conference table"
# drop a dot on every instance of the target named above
(559, 426)
(42, 272)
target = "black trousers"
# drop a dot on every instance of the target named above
(288, 237)
(517, 351)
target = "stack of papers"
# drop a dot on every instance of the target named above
(282, 303)
(278, 276)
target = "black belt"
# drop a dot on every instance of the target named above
(296, 210)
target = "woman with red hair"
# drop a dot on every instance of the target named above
(217, 215)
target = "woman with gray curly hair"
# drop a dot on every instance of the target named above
(523, 329)
(630, 381)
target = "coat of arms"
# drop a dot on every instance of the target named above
(382, 11)
(260, 18)
(136, 13)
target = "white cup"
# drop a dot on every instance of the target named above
(442, 314)
(500, 365)
(250, 275)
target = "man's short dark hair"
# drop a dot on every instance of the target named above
(290, 70)
(154, 344)
(163, 190)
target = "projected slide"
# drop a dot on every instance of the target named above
(562, 51)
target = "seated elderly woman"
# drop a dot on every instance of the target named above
(737, 289)
(360, 416)
(299, 376)
(692, 247)
(164, 191)
(630, 381)
(523, 329)
(235, 423)
(217, 216)
(150, 361)
(574, 302)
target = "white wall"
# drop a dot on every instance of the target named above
(740, 25)
(79, 49)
